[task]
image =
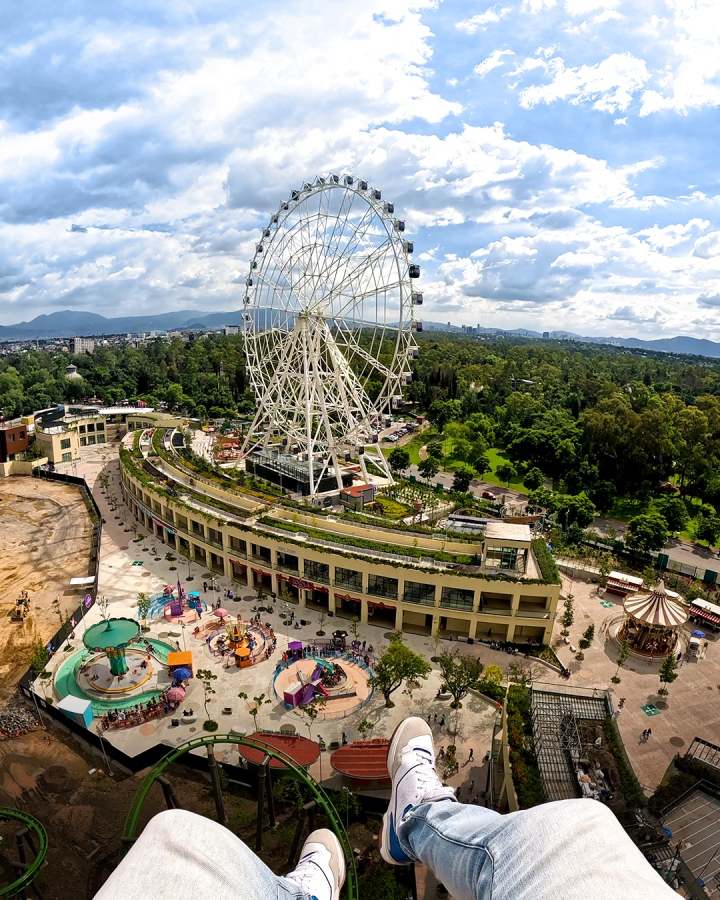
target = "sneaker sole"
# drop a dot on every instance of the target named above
(385, 834)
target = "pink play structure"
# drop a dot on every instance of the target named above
(304, 690)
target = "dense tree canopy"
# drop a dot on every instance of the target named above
(585, 419)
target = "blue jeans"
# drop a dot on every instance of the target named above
(573, 850)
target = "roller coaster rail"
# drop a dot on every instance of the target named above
(34, 831)
(156, 774)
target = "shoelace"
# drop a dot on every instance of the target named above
(427, 781)
(310, 873)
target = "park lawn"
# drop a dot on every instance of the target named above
(413, 445)
(496, 458)
(392, 509)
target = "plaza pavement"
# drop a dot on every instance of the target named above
(120, 582)
(693, 703)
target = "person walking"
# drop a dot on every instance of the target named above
(472, 755)
(621, 703)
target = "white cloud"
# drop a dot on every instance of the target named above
(480, 22)
(494, 61)
(609, 85)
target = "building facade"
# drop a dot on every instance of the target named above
(13, 440)
(410, 586)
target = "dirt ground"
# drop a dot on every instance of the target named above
(54, 777)
(45, 538)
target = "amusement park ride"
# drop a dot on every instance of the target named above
(329, 316)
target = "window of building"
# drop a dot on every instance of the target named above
(317, 571)
(381, 586)
(348, 578)
(419, 592)
(67, 457)
(65, 443)
(457, 598)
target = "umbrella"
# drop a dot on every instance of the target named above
(193, 593)
(182, 673)
(340, 633)
(295, 645)
(221, 613)
(698, 634)
(176, 694)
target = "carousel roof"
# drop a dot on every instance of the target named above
(656, 608)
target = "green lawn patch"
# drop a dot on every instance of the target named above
(392, 509)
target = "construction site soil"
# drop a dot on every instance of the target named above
(45, 540)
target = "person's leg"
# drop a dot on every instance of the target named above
(182, 854)
(574, 849)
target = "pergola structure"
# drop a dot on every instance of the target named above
(652, 622)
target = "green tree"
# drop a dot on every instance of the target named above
(460, 674)
(673, 510)
(255, 705)
(399, 459)
(143, 606)
(39, 657)
(428, 468)
(443, 411)
(506, 472)
(646, 532)
(481, 464)
(461, 480)
(568, 616)
(207, 677)
(533, 479)
(668, 673)
(493, 674)
(708, 528)
(434, 449)
(623, 654)
(574, 509)
(588, 637)
(397, 664)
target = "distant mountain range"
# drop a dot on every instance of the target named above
(69, 323)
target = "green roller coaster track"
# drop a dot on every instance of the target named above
(37, 829)
(130, 830)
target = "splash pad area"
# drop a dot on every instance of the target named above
(86, 674)
(341, 682)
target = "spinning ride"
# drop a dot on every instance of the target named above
(329, 320)
(652, 622)
(112, 636)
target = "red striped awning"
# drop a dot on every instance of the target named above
(699, 613)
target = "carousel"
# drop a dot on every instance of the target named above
(652, 623)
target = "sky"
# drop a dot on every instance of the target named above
(556, 161)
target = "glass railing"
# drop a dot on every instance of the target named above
(419, 599)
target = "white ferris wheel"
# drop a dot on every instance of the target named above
(328, 321)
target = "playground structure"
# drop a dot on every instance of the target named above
(177, 606)
(343, 681)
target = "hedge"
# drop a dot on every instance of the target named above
(545, 562)
(631, 790)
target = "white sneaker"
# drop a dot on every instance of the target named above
(411, 763)
(320, 871)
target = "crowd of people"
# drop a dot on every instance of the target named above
(139, 713)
